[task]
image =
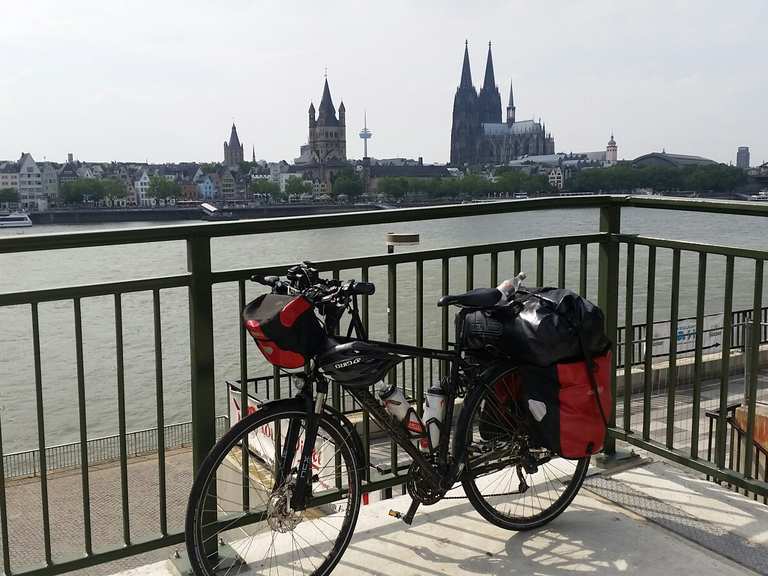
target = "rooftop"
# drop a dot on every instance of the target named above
(676, 160)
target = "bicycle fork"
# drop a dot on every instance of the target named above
(303, 483)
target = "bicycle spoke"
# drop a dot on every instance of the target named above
(500, 452)
(269, 536)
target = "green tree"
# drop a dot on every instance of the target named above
(717, 178)
(265, 188)
(8, 195)
(297, 187)
(509, 182)
(347, 183)
(395, 188)
(162, 188)
(113, 189)
(82, 191)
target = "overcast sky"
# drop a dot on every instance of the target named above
(163, 80)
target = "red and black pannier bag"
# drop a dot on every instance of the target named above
(570, 408)
(552, 335)
(285, 329)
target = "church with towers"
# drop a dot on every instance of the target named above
(479, 135)
(233, 150)
(325, 153)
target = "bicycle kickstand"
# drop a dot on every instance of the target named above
(408, 517)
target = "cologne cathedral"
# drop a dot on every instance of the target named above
(478, 134)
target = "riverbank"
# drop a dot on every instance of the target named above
(106, 215)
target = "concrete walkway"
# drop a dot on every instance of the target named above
(673, 523)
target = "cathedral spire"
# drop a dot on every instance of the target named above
(466, 74)
(490, 81)
(489, 99)
(511, 106)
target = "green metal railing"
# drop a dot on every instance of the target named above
(102, 450)
(639, 418)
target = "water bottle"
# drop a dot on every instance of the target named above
(509, 287)
(396, 405)
(434, 412)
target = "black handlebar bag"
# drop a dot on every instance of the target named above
(285, 328)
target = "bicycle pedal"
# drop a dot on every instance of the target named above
(395, 514)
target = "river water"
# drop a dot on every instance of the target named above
(87, 265)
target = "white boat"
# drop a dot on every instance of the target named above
(14, 220)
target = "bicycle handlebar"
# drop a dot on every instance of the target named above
(303, 278)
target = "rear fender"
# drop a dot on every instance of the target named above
(486, 378)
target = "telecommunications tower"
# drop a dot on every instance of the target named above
(365, 134)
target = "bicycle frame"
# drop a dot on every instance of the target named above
(445, 474)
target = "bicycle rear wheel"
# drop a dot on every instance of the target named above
(509, 478)
(237, 499)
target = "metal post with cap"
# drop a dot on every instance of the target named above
(394, 239)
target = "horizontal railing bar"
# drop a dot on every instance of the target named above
(695, 247)
(742, 208)
(106, 556)
(417, 256)
(28, 243)
(697, 464)
(180, 432)
(90, 290)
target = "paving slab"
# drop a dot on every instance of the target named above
(593, 536)
(719, 519)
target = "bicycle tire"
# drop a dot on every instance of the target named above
(331, 428)
(476, 403)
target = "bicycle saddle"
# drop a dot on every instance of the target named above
(477, 298)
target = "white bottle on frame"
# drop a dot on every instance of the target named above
(397, 405)
(434, 412)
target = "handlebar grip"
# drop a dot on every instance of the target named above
(364, 288)
(265, 280)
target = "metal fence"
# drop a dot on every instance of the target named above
(739, 319)
(645, 419)
(102, 450)
(738, 446)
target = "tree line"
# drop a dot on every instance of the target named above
(85, 190)
(624, 178)
(505, 182)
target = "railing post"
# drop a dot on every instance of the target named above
(201, 348)
(201, 358)
(608, 296)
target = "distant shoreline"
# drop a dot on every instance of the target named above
(106, 215)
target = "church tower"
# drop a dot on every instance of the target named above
(466, 119)
(511, 106)
(611, 151)
(489, 101)
(233, 151)
(327, 133)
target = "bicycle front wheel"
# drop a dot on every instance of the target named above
(239, 513)
(510, 479)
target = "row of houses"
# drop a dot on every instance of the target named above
(39, 184)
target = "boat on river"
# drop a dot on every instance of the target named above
(213, 214)
(14, 220)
